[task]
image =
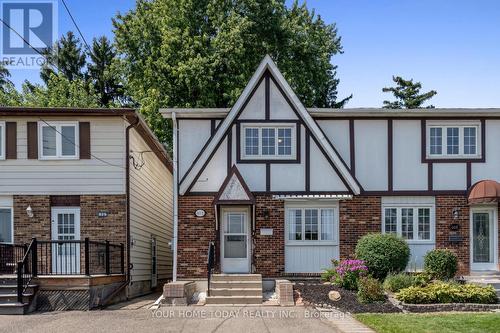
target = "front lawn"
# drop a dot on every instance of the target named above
(428, 323)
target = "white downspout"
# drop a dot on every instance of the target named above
(176, 191)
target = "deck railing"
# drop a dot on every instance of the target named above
(210, 264)
(10, 255)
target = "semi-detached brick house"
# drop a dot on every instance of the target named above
(70, 175)
(281, 189)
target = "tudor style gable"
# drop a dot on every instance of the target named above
(275, 144)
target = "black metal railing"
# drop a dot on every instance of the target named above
(10, 255)
(26, 269)
(210, 264)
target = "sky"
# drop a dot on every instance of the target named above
(451, 46)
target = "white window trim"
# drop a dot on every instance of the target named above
(315, 205)
(2, 141)
(275, 126)
(58, 125)
(11, 223)
(444, 144)
(415, 208)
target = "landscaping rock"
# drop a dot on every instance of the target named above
(334, 295)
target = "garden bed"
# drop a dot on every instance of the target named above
(315, 293)
(444, 307)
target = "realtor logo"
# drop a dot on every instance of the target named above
(27, 22)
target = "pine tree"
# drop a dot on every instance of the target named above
(407, 94)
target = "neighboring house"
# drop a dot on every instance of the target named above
(281, 189)
(74, 179)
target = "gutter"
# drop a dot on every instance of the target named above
(175, 193)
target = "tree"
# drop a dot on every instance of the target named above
(103, 73)
(407, 94)
(4, 78)
(65, 57)
(201, 53)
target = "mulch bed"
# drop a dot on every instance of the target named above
(315, 293)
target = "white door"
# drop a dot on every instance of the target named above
(66, 227)
(154, 263)
(484, 240)
(235, 241)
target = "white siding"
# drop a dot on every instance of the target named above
(309, 258)
(371, 154)
(255, 108)
(279, 107)
(322, 176)
(215, 172)
(337, 132)
(409, 173)
(193, 134)
(449, 176)
(51, 177)
(491, 168)
(151, 213)
(254, 176)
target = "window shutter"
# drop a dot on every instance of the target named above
(84, 130)
(11, 140)
(32, 140)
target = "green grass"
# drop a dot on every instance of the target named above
(429, 323)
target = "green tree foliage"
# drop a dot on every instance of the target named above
(201, 53)
(66, 58)
(407, 94)
(103, 71)
(5, 82)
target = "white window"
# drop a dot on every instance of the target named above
(411, 223)
(58, 140)
(454, 140)
(311, 224)
(6, 225)
(2, 140)
(268, 142)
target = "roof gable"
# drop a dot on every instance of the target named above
(282, 85)
(234, 189)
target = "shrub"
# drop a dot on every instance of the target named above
(330, 274)
(349, 271)
(446, 292)
(441, 264)
(383, 253)
(422, 279)
(396, 282)
(370, 290)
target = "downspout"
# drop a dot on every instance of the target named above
(176, 191)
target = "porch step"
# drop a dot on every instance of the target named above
(14, 309)
(229, 289)
(12, 289)
(9, 304)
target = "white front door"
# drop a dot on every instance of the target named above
(66, 227)
(484, 239)
(235, 241)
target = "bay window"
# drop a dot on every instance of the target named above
(411, 223)
(310, 224)
(58, 140)
(453, 140)
(264, 141)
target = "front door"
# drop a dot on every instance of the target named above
(235, 240)
(66, 227)
(484, 249)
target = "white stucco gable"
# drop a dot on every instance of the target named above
(281, 92)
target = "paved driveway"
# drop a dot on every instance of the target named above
(173, 319)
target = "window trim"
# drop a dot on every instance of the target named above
(58, 125)
(295, 144)
(444, 125)
(11, 223)
(3, 137)
(415, 207)
(318, 205)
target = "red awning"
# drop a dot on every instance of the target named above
(484, 191)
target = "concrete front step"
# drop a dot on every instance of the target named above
(236, 292)
(14, 309)
(12, 289)
(235, 284)
(232, 300)
(236, 277)
(12, 298)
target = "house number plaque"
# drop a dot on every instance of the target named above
(199, 213)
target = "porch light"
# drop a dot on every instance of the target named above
(456, 213)
(29, 211)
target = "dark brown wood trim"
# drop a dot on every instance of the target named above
(11, 140)
(430, 177)
(469, 174)
(415, 193)
(268, 177)
(307, 161)
(230, 150)
(267, 97)
(65, 201)
(352, 147)
(389, 155)
(85, 148)
(212, 127)
(32, 140)
(63, 111)
(234, 171)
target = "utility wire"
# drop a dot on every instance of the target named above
(78, 147)
(76, 25)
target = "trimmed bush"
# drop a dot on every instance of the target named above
(370, 290)
(396, 282)
(441, 264)
(446, 292)
(383, 253)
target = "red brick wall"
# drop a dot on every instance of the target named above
(358, 216)
(25, 227)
